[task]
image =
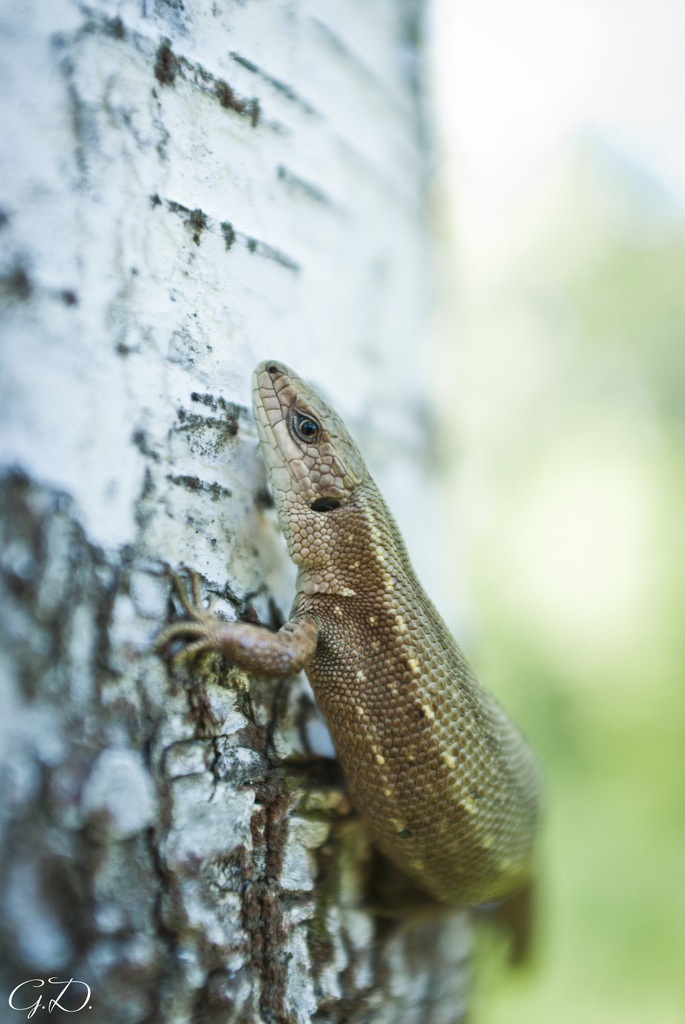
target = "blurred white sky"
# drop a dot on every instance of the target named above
(517, 80)
(558, 494)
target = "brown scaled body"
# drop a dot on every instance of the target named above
(444, 781)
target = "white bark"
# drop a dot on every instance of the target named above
(186, 188)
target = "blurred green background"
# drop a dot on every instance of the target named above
(561, 387)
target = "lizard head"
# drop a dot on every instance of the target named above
(314, 466)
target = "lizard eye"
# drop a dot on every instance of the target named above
(306, 428)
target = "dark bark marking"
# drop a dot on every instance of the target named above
(340, 47)
(227, 428)
(166, 64)
(214, 1002)
(271, 253)
(231, 409)
(311, 191)
(169, 65)
(277, 84)
(16, 284)
(228, 98)
(262, 907)
(142, 442)
(195, 220)
(192, 483)
(201, 713)
(228, 233)
(115, 28)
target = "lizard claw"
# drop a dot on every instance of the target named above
(195, 607)
(197, 647)
(199, 627)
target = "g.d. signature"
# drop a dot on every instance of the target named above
(66, 999)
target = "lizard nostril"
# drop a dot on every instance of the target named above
(273, 370)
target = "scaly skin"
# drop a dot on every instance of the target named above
(444, 781)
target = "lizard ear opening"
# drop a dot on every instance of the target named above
(325, 504)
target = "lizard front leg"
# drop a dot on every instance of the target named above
(254, 648)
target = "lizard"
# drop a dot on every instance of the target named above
(444, 782)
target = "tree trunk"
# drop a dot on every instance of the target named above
(187, 188)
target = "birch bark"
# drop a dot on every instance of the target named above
(187, 188)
